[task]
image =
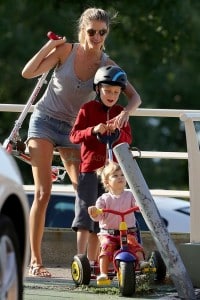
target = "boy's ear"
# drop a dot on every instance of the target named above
(97, 89)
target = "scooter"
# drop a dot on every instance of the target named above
(14, 144)
(109, 140)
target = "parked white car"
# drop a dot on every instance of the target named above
(60, 212)
(14, 240)
(174, 212)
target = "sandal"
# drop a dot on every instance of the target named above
(39, 270)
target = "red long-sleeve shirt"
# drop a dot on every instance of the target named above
(94, 152)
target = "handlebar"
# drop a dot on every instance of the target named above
(52, 36)
(109, 138)
(116, 212)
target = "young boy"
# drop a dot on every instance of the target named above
(116, 198)
(95, 117)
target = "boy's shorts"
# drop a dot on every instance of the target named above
(45, 127)
(89, 189)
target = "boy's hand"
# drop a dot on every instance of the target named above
(100, 128)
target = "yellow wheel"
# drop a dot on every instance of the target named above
(80, 270)
(75, 271)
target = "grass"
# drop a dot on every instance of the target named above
(143, 286)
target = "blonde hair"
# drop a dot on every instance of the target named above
(108, 170)
(93, 14)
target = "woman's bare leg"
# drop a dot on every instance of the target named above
(41, 152)
(71, 161)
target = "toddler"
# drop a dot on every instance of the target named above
(117, 198)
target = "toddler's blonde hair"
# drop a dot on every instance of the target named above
(108, 170)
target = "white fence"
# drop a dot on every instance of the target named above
(192, 155)
(161, 113)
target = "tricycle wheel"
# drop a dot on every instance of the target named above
(156, 261)
(80, 270)
(126, 278)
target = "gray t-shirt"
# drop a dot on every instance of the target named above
(66, 93)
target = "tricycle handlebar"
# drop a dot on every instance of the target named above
(116, 212)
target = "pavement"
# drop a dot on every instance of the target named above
(61, 286)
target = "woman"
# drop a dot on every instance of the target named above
(71, 85)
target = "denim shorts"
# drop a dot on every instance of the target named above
(45, 127)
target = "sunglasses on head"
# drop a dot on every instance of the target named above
(92, 32)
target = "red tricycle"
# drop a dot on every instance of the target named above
(125, 263)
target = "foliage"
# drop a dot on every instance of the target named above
(155, 41)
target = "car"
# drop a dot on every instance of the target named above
(60, 212)
(174, 212)
(14, 230)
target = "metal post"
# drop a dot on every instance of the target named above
(152, 217)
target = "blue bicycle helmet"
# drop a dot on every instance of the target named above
(112, 75)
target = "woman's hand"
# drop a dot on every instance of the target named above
(120, 120)
(55, 43)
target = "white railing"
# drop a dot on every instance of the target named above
(193, 145)
(141, 112)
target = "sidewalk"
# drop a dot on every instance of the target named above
(61, 286)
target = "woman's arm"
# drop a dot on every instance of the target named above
(52, 53)
(134, 101)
